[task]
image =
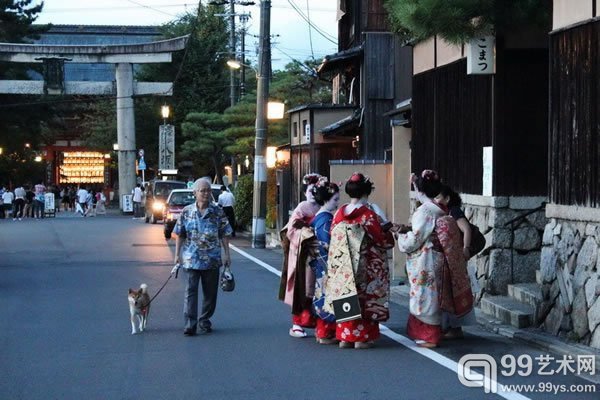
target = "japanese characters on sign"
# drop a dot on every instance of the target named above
(166, 147)
(481, 56)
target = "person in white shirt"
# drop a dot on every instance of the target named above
(82, 195)
(137, 201)
(227, 201)
(7, 199)
(19, 203)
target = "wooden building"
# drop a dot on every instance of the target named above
(570, 270)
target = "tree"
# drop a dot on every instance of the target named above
(16, 19)
(206, 140)
(459, 20)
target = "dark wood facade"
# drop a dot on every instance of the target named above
(575, 116)
(455, 115)
(360, 16)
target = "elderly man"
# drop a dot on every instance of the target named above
(202, 229)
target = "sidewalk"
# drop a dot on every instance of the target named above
(529, 336)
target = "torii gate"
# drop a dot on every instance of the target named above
(124, 56)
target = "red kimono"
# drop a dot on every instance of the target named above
(371, 274)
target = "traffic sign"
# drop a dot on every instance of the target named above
(142, 164)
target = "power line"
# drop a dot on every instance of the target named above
(316, 28)
(151, 8)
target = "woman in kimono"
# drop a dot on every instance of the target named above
(297, 279)
(356, 267)
(451, 323)
(327, 195)
(424, 263)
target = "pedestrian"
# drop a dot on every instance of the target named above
(29, 202)
(7, 200)
(72, 198)
(90, 201)
(327, 195)
(81, 206)
(425, 258)
(202, 230)
(100, 203)
(297, 283)
(451, 323)
(137, 201)
(357, 267)
(39, 201)
(19, 203)
(227, 201)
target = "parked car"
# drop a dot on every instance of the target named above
(178, 198)
(156, 196)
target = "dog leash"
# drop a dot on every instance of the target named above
(163, 286)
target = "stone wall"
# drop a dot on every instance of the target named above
(570, 275)
(511, 254)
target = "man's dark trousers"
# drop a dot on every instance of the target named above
(210, 287)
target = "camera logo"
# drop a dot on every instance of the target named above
(470, 378)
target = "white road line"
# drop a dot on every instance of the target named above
(403, 340)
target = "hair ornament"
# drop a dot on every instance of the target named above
(430, 174)
(311, 179)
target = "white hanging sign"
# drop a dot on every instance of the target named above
(481, 56)
(488, 169)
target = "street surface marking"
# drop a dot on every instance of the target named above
(403, 340)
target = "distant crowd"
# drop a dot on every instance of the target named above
(29, 201)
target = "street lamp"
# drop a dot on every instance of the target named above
(116, 146)
(1, 150)
(165, 111)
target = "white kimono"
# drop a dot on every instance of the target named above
(423, 263)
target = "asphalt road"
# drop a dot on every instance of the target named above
(65, 331)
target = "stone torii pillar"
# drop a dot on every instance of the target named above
(124, 86)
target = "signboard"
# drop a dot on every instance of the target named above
(307, 132)
(488, 169)
(481, 56)
(166, 147)
(49, 206)
(142, 164)
(127, 203)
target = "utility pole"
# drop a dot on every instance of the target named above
(259, 209)
(232, 49)
(243, 20)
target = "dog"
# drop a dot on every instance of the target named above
(139, 307)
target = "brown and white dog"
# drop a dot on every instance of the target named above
(139, 307)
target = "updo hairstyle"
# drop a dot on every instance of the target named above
(429, 183)
(324, 190)
(358, 186)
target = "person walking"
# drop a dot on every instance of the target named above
(81, 205)
(137, 201)
(202, 230)
(296, 287)
(327, 195)
(29, 202)
(19, 203)
(7, 200)
(357, 267)
(227, 201)
(425, 260)
(39, 201)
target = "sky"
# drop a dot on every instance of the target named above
(293, 40)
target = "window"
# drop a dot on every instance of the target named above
(295, 129)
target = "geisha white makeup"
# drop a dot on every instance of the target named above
(332, 204)
(309, 195)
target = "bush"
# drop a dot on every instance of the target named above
(271, 198)
(243, 201)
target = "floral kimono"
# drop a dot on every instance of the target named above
(424, 266)
(326, 320)
(297, 279)
(456, 296)
(356, 263)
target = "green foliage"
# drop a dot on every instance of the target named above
(206, 140)
(459, 20)
(16, 19)
(243, 200)
(271, 198)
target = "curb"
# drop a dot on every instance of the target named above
(530, 336)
